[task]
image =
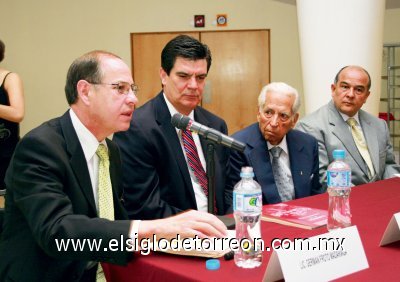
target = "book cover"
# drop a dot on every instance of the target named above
(298, 216)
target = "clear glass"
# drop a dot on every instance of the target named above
(122, 87)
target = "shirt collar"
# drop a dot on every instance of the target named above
(172, 109)
(346, 117)
(87, 140)
(283, 145)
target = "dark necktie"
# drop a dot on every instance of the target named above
(194, 160)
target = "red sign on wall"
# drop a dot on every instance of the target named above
(199, 21)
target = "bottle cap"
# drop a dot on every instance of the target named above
(247, 171)
(212, 264)
(339, 154)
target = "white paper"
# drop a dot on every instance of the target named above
(316, 262)
(392, 232)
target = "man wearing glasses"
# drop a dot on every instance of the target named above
(63, 207)
(285, 161)
(164, 169)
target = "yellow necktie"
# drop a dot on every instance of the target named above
(359, 139)
(105, 196)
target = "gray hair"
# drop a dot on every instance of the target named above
(283, 89)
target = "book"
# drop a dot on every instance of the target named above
(297, 216)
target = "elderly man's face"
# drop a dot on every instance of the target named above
(276, 118)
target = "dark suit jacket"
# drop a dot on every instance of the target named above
(303, 155)
(156, 178)
(50, 197)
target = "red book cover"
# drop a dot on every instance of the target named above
(298, 216)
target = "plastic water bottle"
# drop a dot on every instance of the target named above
(339, 186)
(247, 205)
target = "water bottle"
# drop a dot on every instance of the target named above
(247, 205)
(339, 185)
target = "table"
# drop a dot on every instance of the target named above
(372, 207)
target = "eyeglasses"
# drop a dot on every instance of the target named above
(122, 87)
(268, 114)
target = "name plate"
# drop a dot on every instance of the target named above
(324, 257)
(392, 232)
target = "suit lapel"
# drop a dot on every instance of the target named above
(340, 129)
(163, 118)
(370, 138)
(77, 160)
(297, 159)
(200, 118)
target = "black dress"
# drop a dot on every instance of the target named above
(9, 136)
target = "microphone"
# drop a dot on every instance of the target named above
(183, 122)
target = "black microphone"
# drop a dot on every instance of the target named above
(183, 122)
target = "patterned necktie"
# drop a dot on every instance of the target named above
(285, 188)
(359, 139)
(105, 196)
(194, 160)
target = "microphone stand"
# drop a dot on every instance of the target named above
(211, 177)
(228, 221)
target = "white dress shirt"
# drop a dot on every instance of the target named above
(89, 146)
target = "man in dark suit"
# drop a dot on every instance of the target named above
(373, 159)
(156, 173)
(57, 190)
(293, 173)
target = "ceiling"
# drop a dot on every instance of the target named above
(390, 4)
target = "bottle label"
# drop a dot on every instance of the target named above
(247, 202)
(338, 178)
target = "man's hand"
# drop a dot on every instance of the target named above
(186, 224)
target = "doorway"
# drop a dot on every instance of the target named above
(240, 67)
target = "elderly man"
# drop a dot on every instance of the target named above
(285, 161)
(63, 185)
(165, 168)
(341, 124)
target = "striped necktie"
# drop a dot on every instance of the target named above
(105, 196)
(194, 160)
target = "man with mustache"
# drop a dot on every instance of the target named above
(342, 124)
(161, 172)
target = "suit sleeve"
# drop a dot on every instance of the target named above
(42, 185)
(237, 160)
(316, 185)
(225, 163)
(141, 160)
(391, 167)
(322, 151)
